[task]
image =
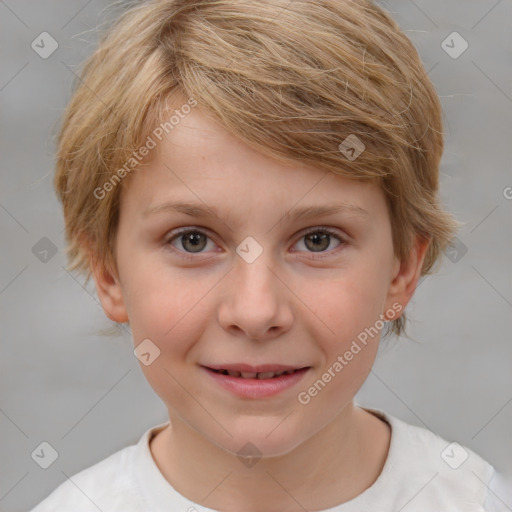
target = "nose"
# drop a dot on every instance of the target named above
(256, 303)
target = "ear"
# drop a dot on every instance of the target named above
(109, 292)
(406, 274)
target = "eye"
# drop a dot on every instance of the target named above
(191, 241)
(320, 239)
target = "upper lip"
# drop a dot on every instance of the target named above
(262, 368)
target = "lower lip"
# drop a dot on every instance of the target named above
(256, 388)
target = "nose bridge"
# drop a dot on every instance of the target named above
(253, 263)
(256, 280)
(256, 302)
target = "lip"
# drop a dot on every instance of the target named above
(243, 367)
(256, 388)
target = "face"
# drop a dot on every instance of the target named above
(245, 271)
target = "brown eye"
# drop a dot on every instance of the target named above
(194, 242)
(320, 240)
(191, 241)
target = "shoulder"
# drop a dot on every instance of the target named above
(107, 485)
(500, 493)
(435, 474)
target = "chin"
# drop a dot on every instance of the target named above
(268, 438)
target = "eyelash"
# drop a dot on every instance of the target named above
(316, 256)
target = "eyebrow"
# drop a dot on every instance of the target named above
(305, 212)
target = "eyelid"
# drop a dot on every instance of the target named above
(186, 229)
(331, 230)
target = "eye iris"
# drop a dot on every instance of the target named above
(197, 241)
(319, 240)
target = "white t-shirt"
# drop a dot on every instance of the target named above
(422, 473)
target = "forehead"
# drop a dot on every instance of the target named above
(199, 162)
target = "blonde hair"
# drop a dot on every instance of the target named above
(291, 79)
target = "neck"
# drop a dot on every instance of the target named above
(335, 465)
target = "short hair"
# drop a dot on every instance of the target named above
(292, 79)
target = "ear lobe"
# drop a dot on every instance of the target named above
(109, 292)
(406, 274)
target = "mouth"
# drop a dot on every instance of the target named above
(255, 375)
(262, 371)
(256, 382)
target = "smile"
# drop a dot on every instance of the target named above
(256, 384)
(255, 375)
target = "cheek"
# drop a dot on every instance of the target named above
(172, 309)
(348, 337)
(160, 299)
(171, 312)
(174, 319)
(346, 305)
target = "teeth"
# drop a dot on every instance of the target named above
(266, 375)
(248, 375)
(260, 375)
(254, 375)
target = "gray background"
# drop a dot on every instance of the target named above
(85, 394)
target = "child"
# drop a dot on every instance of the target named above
(295, 146)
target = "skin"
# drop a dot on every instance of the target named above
(292, 305)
